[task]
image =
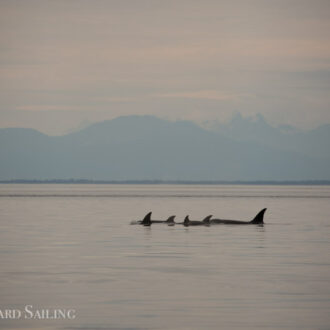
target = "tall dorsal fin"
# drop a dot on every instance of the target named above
(207, 219)
(147, 219)
(170, 219)
(259, 218)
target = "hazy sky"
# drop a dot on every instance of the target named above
(66, 63)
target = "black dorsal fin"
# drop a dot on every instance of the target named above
(147, 219)
(259, 218)
(207, 219)
(170, 219)
(186, 220)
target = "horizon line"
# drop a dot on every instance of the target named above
(158, 181)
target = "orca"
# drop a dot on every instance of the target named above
(147, 220)
(258, 220)
(187, 222)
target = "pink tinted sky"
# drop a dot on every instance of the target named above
(66, 63)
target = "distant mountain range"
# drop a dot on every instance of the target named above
(149, 148)
(314, 143)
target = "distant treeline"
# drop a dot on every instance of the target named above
(86, 181)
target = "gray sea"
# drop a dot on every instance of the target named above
(72, 248)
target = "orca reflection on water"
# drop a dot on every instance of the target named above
(147, 220)
(187, 222)
(258, 219)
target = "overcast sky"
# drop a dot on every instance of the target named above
(66, 63)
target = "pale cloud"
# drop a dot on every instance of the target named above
(182, 59)
(46, 107)
(207, 95)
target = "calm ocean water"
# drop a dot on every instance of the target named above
(71, 247)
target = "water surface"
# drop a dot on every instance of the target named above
(71, 246)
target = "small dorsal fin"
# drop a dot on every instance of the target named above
(207, 219)
(186, 220)
(170, 219)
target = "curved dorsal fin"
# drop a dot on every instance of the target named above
(147, 219)
(259, 218)
(207, 219)
(170, 219)
(186, 220)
